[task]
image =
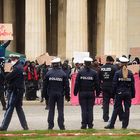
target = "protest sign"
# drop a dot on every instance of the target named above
(7, 67)
(79, 56)
(6, 32)
(44, 58)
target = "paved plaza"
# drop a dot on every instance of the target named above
(37, 117)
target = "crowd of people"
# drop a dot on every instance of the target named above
(93, 79)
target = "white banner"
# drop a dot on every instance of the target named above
(79, 56)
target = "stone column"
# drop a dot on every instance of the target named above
(35, 28)
(100, 27)
(116, 28)
(10, 17)
(1, 11)
(76, 27)
(62, 28)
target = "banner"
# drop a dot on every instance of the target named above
(79, 56)
(99, 101)
(6, 32)
(136, 100)
(135, 51)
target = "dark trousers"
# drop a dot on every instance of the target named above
(86, 100)
(2, 99)
(59, 100)
(126, 98)
(14, 100)
(107, 95)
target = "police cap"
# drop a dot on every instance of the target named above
(123, 59)
(14, 55)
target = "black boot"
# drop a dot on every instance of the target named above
(109, 127)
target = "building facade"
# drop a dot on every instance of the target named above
(60, 27)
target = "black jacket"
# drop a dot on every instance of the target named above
(124, 86)
(15, 79)
(86, 80)
(56, 82)
(106, 75)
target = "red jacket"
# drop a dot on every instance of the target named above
(31, 73)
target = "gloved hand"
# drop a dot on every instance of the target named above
(67, 97)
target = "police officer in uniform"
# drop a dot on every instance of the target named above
(2, 80)
(106, 75)
(124, 89)
(15, 79)
(86, 83)
(56, 84)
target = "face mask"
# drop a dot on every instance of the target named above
(13, 62)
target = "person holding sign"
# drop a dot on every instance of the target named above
(3, 46)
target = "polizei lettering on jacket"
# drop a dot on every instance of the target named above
(86, 78)
(55, 79)
(105, 69)
(127, 79)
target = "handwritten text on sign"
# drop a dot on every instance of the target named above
(6, 32)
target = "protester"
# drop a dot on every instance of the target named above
(31, 81)
(3, 46)
(67, 68)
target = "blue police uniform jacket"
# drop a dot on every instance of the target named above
(106, 75)
(56, 82)
(15, 79)
(3, 47)
(86, 80)
(124, 86)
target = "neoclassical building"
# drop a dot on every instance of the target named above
(60, 27)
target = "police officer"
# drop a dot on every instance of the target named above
(86, 82)
(2, 80)
(124, 89)
(56, 84)
(106, 75)
(15, 79)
